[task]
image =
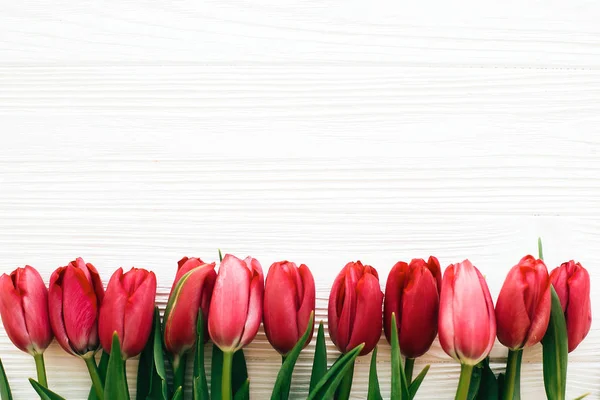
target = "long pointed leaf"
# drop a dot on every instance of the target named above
(178, 395)
(319, 368)
(416, 383)
(374, 392)
(102, 372)
(488, 387)
(45, 393)
(399, 383)
(555, 352)
(281, 390)
(327, 386)
(5, 393)
(199, 384)
(583, 396)
(216, 371)
(116, 381)
(239, 371)
(475, 381)
(243, 392)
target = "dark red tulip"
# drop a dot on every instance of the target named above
(467, 325)
(412, 292)
(523, 306)
(74, 300)
(236, 305)
(24, 310)
(355, 303)
(572, 284)
(288, 303)
(128, 309)
(191, 291)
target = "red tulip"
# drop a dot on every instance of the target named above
(467, 325)
(24, 310)
(523, 306)
(289, 301)
(412, 292)
(355, 303)
(236, 306)
(128, 309)
(74, 300)
(572, 284)
(191, 291)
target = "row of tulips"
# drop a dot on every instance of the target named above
(532, 306)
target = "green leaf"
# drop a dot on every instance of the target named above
(500, 382)
(281, 389)
(326, 387)
(239, 371)
(199, 384)
(555, 352)
(243, 392)
(216, 371)
(116, 381)
(178, 395)
(319, 368)
(5, 393)
(583, 396)
(488, 388)
(475, 381)
(220, 256)
(399, 384)
(374, 393)
(45, 394)
(102, 372)
(540, 249)
(416, 383)
(152, 377)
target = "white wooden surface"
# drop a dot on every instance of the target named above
(135, 132)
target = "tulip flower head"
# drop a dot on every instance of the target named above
(523, 306)
(467, 325)
(355, 307)
(288, 302)
(24, 310)
(74, 300)
(412, 292)
(572, 284)
(236, 305)
(191, 291)
(128, 309)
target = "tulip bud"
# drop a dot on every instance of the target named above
(128, 309)
(354, 313)
(289, 301)
(412, 292)
(24, 310)
(467, 325)
(236, 305)
(572, 284)
(74, 300)
(523, 306)
(191, 291)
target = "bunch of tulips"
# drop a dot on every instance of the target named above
(228, 307)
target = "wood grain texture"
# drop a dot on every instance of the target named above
(136, 133)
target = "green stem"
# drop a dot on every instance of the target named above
(343, 391)
(409, 365)
(90, 363)
(179, 362)
(40, 367)
(283, 357)
(512, 380)
(463, 384)
(226, 391)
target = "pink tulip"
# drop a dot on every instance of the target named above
(467, 326)
(128, 309)
(355, 308)
(523, 306)
(236, 305)
(24, 310)
(572, 284)
(74, 300)
(192, 290)
(289, 301)
(412, 292)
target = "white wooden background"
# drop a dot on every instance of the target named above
(136, 132)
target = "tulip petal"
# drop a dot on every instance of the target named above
(229, 304)
(394, 289)
(34, 297)
(112, 311)
(80, 310)
(332, 314)
(308, 301)
(139, 312)
(12, 314)
(579, 312)
(446, 313)
(255, 311)
(512, 316)
(346, 308)
(368, 322)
